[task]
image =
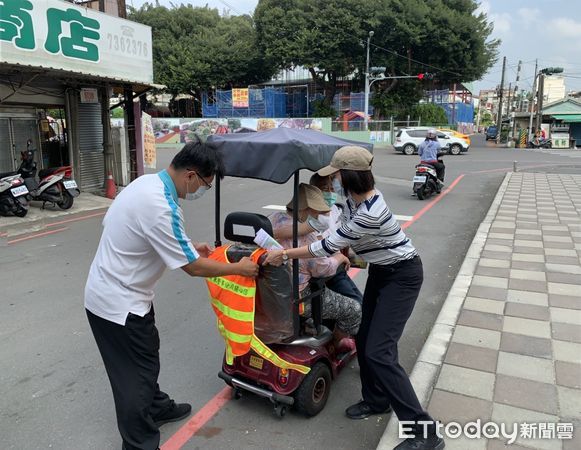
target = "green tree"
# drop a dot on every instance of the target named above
(410, 37)
(429, 113)
(194, 49)
(325, 37)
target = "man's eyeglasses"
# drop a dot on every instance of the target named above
(208, 185)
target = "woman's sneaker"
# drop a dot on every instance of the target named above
(178, 411)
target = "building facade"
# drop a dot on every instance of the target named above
(60, 63)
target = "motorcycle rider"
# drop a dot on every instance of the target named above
(429, 150)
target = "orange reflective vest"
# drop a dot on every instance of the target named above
(233, 301)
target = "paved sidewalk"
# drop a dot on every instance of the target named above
(37, 218)
(507, 345)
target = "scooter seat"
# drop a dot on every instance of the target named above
(7, 174)
(46, 172)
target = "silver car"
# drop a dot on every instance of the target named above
(407, 141)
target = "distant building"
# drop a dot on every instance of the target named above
(553, 89)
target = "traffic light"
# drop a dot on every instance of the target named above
(425, 76)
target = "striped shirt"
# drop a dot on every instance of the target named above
(372, 232)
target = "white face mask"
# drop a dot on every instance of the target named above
(338, 188)
(195, 195)
(321, 223)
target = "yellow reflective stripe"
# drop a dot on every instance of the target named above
(235, 337)
(232, 313)
(243, 291)
(272, 357)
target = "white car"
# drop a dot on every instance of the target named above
(407, 141)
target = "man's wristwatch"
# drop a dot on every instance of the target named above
(284, 256)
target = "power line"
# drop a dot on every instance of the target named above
(416, 61)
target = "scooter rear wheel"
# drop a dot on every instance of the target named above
(421, 193)
(21, 212)
(67, 201)
(311, 396)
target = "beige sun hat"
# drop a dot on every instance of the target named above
(310, 197)
(350, 157)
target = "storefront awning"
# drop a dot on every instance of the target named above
(568, 118)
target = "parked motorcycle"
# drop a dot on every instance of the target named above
(425, 181)
(543, 143)
(13, 192)
(54, 185)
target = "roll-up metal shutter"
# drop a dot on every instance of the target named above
(6, 156)
(92, 162)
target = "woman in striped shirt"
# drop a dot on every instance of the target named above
(392, 288)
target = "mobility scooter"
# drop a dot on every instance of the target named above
(276, 156)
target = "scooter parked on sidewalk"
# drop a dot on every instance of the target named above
(13, 192)
(54, 185)
(542, 143)
(425, 181)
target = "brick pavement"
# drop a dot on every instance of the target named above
(514, 354)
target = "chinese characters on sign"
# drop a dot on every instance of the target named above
(16, 23)
(82, 29)
(240, 98)
(63, 36)
(149, 154)
(16, 26)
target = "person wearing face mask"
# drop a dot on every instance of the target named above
(393, 285)
(143, 234)
(344, 310)
(324, 225)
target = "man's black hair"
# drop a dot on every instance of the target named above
(357, 181)
(197, 155)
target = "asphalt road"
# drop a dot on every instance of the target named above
(54, 392)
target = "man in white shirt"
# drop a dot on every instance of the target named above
(143, 234)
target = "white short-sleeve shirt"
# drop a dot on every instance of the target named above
(143, 233)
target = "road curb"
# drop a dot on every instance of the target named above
(431, 358)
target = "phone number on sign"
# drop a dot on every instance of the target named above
(127, 45)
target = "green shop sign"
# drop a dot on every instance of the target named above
(59, 35)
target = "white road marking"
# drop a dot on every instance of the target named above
(283, 208)
(275, 207)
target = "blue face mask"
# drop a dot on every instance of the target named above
(330, 198)
(338, 188)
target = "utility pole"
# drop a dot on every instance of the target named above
(366, 111)
(541, 95)
(532, 103)
(514, 102)
(501, 95)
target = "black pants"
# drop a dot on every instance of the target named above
(131, 357)
(388, 301)
(440, 169)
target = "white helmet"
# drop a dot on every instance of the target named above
(432, 133)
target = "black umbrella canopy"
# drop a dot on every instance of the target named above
(275, 155)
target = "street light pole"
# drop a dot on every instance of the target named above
(366, 108)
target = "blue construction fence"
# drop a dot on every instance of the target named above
(269, 102)
(458, 112)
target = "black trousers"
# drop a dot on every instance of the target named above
(131, 357)
(388, 301)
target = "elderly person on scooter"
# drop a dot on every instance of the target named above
(429, 150)
(344, 310)
(324, 226)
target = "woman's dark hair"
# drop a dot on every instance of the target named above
(198, 155)
(319, 181)
(357, 181)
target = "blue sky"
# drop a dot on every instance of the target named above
(547, 30)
